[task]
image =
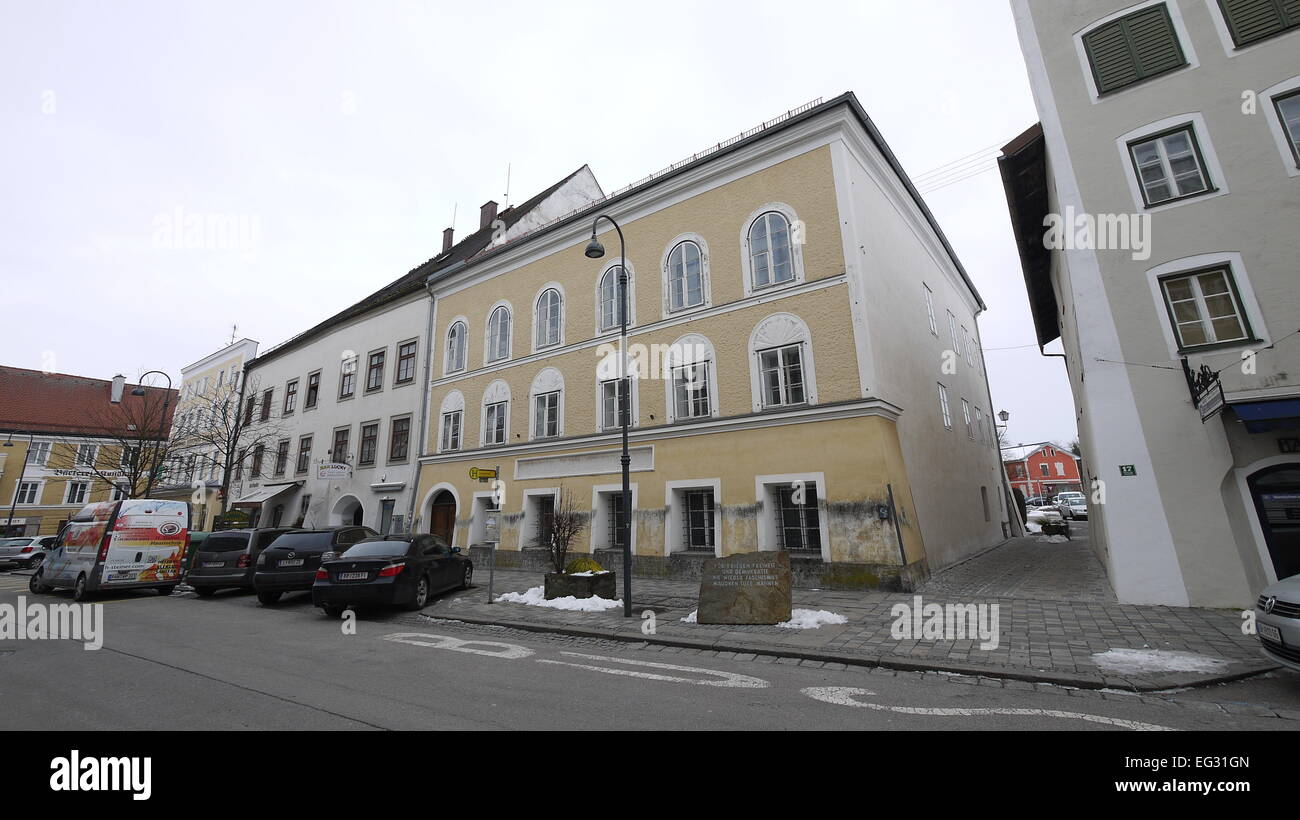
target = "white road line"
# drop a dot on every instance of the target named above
(494, 649)
(845, 696)
(724, 679)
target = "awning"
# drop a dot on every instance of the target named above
(1266, 416)
(260, 496)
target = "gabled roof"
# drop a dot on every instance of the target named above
(413, 280)
(1024, 451)
(56, 403)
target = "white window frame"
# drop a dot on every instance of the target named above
(598, 537)
(945, 409)
(528, 525)
(1267, 100)
(39, 490)
(38, 453)
(78, 461)
(497, 392)
(549, 380)
(1245, 292)
(1217, 182)
(538, 343)
(796, 249)
(446, 428)
(706, 294)
(674, 498)
(510, 333)
(448, 365)
(692, 348)
(453, 402)
(966, 416)
(929, 310)
(1231, 49)
(764, 495)
(85, 493)
(779, 330)
(631, 296)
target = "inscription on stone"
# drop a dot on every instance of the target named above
(749, 588)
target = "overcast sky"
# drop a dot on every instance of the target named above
(342, 135)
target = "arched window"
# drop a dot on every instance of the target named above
(456, 338)
(781, 363)
(770, 259)
(692, 379)
(547, 399)
(498, 338)
(496, 413)
(685, 276)
(547, 319)
(608, 302)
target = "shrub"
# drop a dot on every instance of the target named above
(583, 564)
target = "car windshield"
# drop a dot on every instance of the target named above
(377, 549)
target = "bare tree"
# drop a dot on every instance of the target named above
(233, 425)
(567, 522)
(135, 435)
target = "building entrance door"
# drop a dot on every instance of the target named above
(1276, 491)
(442, 516)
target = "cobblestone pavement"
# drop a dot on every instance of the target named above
(1039, 640)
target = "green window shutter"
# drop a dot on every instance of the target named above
(1253, 20)
(1137, 46)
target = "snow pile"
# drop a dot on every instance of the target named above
(588, 573)
(1053, 539)
(1031, 526)
(690, 619)
(537, 597)
(812, 619)
(1138, 661)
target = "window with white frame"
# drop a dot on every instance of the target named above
(979, 424)
(685, 276)
(494, 423)
(86, 455)
(77, 492)
(28, 491)
(781, 375)
(965, 413)
(38, 452)
(691, 391)
(770, 254)
(929, 309)
(546, 415)
(498, 341)
(547, 317)
(609, 304)
(456, 338)
(1205, 308)
(1288, 113)
(451, 430)
(952, 334)
(120, 492)
(798, 524)
(611, 391)
(943, 407)
(697, 528)
(1169, 166)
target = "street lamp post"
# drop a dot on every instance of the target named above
(595, 250)
(22, 472)
(162, 419)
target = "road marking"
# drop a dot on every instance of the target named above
(845, 696)
(509, 651)
(725, 679)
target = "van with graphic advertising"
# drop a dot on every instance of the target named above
(138, 543)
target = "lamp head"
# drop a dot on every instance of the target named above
(1004, 415)
(594, 250)
(138, 391)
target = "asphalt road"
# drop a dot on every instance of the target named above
(228, 663)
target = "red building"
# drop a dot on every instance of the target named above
(1042, 469)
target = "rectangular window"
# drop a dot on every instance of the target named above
(798, 524)
(546, 415)
(952, 334)
(38, 452)
(545, 519)
(267, 397)
(929, 309)
(120, 492)
(313, 390)
(691, 391)
(984, 499)
(979, 424)
(290, 396)
(1253, 20)
(610, 393)
(282, 457)
(399, 439)
(304, 454)
(406, 363)
(239, 465)
(1044, 469)
(375, 371)
(451, 430)
(248, 410)
(127, 457)
(369, 444)
(258, 452)
(339, 452)
(27, 492)
(965, 413)
(1205, 308)
(494, 423)
(943, 407)
(781, 375)
(699, 519)
(1060, 468)
(77, 492)
(617, 518)
(86, 454)
(1288, 111)
(1169, 166)
(1135, 47)
(348, 378)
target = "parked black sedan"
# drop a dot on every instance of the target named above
(400, 570)
(289, 564)
(226, 558)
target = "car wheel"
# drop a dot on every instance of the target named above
(36, 561)
(79, 592)
(468, 577)
(333, 611)
(421, 596)
(205, 592)
(37, 586)
(268, 598)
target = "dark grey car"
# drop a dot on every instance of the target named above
(289, 564)
(228, 558)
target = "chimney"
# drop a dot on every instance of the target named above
(487, 213)
(446, 239)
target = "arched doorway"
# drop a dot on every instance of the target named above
(442, 515)
(1276, 492)
(348, 510)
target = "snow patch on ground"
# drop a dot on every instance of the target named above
(812, 619)
(691, 619)
(536, 596)
(1138, 661)
(1053, 539)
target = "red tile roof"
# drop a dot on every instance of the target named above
(36, 402)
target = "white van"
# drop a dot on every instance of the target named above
(132, 544)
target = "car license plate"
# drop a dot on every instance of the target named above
(214, 563)
(290, 562)
(1272, 633)
(353, 576)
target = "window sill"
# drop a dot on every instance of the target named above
(1198, 349)
(1178, 200)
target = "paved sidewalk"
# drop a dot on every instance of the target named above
(1048, 641)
